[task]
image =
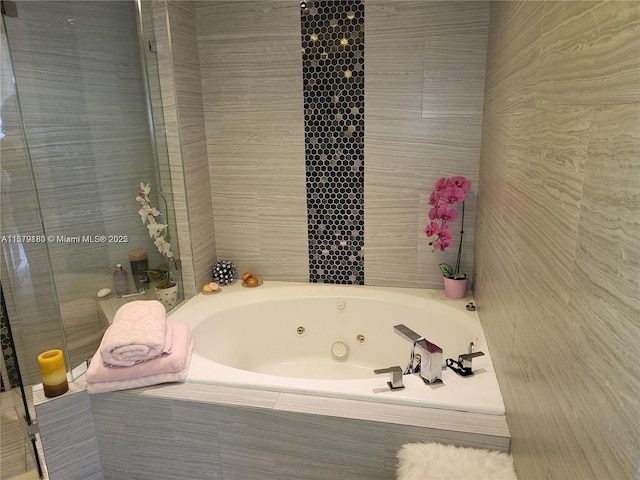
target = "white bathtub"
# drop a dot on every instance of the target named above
(251, 338)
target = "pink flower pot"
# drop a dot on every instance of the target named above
(455, 288)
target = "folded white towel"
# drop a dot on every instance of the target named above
(138, 333)
(169, 367)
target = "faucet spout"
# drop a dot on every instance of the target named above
(431, 361)
(414, 338)
(430, 365)
(407, 333)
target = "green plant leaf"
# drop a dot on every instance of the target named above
(160, 275)
(447, 270)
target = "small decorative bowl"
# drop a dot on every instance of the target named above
(213, 292)
(211, 288)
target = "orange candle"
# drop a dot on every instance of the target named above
(53, 372)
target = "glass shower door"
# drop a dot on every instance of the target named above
(77, 140)
(18, 447)
(84, 107)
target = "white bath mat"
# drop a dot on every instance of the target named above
(434, 461)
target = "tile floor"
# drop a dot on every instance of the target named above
(15, 447)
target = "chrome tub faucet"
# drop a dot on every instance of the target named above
(429, 354)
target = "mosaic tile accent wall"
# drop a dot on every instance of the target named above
(9, 355)
(333, 82)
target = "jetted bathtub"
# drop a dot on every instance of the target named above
(327, 340)
(281, 385)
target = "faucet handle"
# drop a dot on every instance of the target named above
(463, 365)
(395, 381)
(466, 358)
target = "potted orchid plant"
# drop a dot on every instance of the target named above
(447, 192)
(166, 288)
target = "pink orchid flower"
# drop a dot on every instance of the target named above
(461, 182)
(438, 212)
(453, 194)
(442, 244)
(450, 215)
(444, 232)
(442, 183)
(431, 229)
(447, 191)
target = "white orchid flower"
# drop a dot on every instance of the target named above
(143, 194)
(163, 247)
(155, 229)
(148, 214)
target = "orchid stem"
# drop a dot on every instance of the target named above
(457, 269)
(167, 237)
(166, 214)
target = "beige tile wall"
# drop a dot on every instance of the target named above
(558, 242)
(251, 65)
(425, 66)
(179, 69)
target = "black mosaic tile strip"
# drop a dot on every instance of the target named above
(8, 352)
(333, 79)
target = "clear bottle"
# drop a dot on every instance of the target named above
(121, 281)
(139, 268)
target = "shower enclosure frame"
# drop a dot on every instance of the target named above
(24, 299)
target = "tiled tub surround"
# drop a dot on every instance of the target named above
(225, 422)
(198, 431)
